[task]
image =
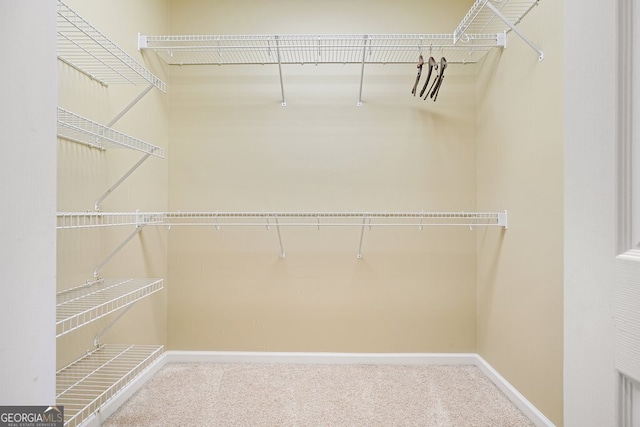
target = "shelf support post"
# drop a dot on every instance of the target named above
(515, 30)
(282, 254)
(364, 54)
(284, 103)
(96, 271)
(364, 222)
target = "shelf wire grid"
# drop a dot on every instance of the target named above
(88, 383)
(318, 219)
(80, 305)
(76, 128)
(316, 48)
(86, 49)
(482, 20)
(69, 220)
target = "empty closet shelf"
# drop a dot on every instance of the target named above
(83, 304)
(67, 220)
(315, 48)
(482, 17)
(86, 49)
(317, 219)
(86, 384)
(76, 128)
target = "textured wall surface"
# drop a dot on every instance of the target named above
(520, 168)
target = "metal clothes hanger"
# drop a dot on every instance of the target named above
(438, 81)
(415, 85)
(432, 66)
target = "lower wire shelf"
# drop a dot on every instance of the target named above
(85, 303)
(88, 383)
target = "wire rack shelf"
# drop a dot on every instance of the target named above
(317, 219)
(315, 48)
(483, 19)
(80, 305)
(67, 220)
(88, 383)
(76, 128)
(86, 49)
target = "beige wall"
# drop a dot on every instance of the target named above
(520, 273)
(85, 173)
(491, 142)
(233, 147)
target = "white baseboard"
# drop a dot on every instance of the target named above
(514, 395)
(322, 358)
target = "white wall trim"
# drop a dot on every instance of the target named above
(322, 358)
(514, 395)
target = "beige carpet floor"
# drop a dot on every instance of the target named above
(212, 394)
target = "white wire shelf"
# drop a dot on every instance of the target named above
(316, 48)
(78, 306)
(79, 129)
(86, 49)
(480, 30)
(482, 19)
(68, 220)
(88, 383)
(317, 219)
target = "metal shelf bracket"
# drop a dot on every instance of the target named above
(120, 181)
(515, 30)
(138, 229)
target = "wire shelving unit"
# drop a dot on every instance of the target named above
(480, 30)
(86, 49)
(482, 19)
(83, 304)
(315, 48)
(88, 383)
(68, 220)
(483, 28)
(289, 219)
(79, 129)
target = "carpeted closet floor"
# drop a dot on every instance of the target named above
(211, 394)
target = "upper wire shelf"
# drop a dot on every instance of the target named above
(483, 19)
(481, 29)
(67, 220)
(76, 128)
(86, 384)
(316, 48)
(80, 305)
(86, 49)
